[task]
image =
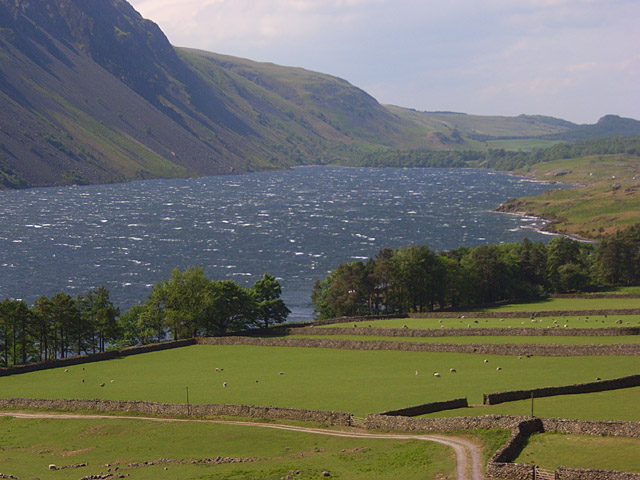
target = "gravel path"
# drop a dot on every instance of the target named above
(469, 464)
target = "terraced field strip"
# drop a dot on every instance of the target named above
(610, 405)
(556, 322)
(546, 340)
(356, 381)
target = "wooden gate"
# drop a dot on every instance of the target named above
(542, 474)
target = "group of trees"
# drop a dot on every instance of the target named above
(56, 327)
(189, 304)
(186, 305)
(418, 279)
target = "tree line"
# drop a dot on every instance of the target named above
(187, 304)
(417, 279)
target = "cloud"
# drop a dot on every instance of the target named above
(490, 56)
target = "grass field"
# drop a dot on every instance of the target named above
(608, 199)
(568, 304)
(358, 382)
(28, 446)
(551, 450)
(595, 321)
(623, 404)
(546, 340)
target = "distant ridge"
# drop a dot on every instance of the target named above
(91, 92)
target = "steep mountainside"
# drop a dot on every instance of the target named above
(91, 92)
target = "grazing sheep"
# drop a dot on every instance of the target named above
(486, 360)
(102, 384)
(519, 357)
(112, 381)
(217, 369)
(436, 374)
(416, 372)
(52, 466)
(66, 370)
(452, 370)
(83, 380)
(498, 368)
(598, 378)
(281, 373)
(224, 384)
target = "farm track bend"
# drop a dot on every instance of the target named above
(469, 465)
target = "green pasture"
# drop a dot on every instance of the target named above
(593, 321)
(28, 446)
(546, 340)
(358, 382)
(568, 304)
(622, 404)
(551, 450)
(525, 144)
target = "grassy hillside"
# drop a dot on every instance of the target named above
(606, 197)
(30, 445)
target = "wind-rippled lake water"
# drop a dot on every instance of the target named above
(296, 224)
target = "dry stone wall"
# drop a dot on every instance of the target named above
(488, 349)
(169, 409)
(525, 314)
(599, 386)
(443, 424)
(564, 473)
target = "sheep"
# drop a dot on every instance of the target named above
(83, 380)
(416, 372)
(66, 370)
(436, 374)
(498, 368)
(52, 466)
(102, 384)
(486, 360)
(452, 370)
(281, 373)
(224, 384)
(404, 326)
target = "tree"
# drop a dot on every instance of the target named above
(269, 307)
(229, 307)
(99, 316)
(181, 301)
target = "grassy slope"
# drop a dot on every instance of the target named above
(611, 405)
(608, 199)
(359, 382)
(29, 446)
(546, 340)
(551, 450)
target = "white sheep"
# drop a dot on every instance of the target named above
(498, 368)
(52, 466)
(416, 372)
(436, 374)
(224, 385)
(486, 360)
(452, 370)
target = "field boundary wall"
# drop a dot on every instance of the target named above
(463, 332)
(169, 409)
(489, 349)
(94, 357)
(525, 314)
(431, 407)
(589, 387)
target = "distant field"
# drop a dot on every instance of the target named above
(568, 304)
(611, 405)
(526, 144)
(358, 382)
(551, 450)
(609, 198)
(29, 446)
(546, 340)
(456, 322)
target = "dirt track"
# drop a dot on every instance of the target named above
(468, 455)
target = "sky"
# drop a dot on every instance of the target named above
(572, 59)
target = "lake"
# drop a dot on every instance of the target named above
(296, 224)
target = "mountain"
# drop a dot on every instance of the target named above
(91, 92)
